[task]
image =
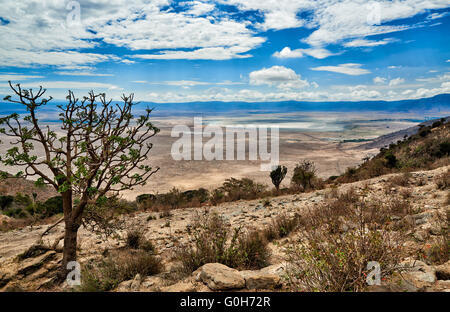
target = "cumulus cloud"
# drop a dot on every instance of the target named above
(352, 69)
(279, 76)
(318, 53)
(38, 32)
(396, 82)
(379, 80)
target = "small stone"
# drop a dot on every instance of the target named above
(136, 283)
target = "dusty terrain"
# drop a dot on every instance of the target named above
(329, 143)
(168, 232)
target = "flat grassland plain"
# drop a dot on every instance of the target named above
(331, 139)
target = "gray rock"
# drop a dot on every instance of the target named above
(136, 283)
(220, 277)
(443, 271)
(260, 280)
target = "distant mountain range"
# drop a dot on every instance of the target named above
(436, 103)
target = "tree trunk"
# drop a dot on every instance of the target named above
(70, 235)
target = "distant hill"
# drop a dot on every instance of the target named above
(427, 148)
(12, 186)
(385, 140)
(438, 103)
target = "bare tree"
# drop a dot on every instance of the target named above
(98, 152)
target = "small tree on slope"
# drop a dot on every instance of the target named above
(98, 151)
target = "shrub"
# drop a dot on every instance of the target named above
(50, 207)
(214, 241)
(401, 180)
(443, 181)
(16, 213)
(6, 201)
(330, 259)
(400, 207)
(281, 226)
(23, 200)
(391, 159)
(327, 262)
(303, 175)
(135, 239)
(120, 266)
(277, 175)
(237, 189)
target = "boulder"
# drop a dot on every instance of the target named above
(220, 277)
(152, 282)
(443, 271)
(260, 280)
(418, 273)
(124, 286)
(182, 286)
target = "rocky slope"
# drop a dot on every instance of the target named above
(427, 199)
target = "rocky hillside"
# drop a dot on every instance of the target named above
(423, 224)
(394, 137)
(12, 186)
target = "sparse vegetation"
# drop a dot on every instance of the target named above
(214, 241)
(428, 149)
(324, 259)
(119, 266)
(304, 175)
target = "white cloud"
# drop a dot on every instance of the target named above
(396, 82)
(368, 43)
(379, 80)
(17, 77)
(279, 14)
(318, 53)
(347, 69)
(341, 20)
(436, 79)
(70, 85)
(37, 32)
(90, 74)
(279, 76)
(199, 8)
(46, 38)
(437, 15)
(218, 54)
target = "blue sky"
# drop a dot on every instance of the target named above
(228, 50)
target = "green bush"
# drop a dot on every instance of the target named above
(304, 174)
(50, 207)
(237, 189)
(391, 159)
(6, 201)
